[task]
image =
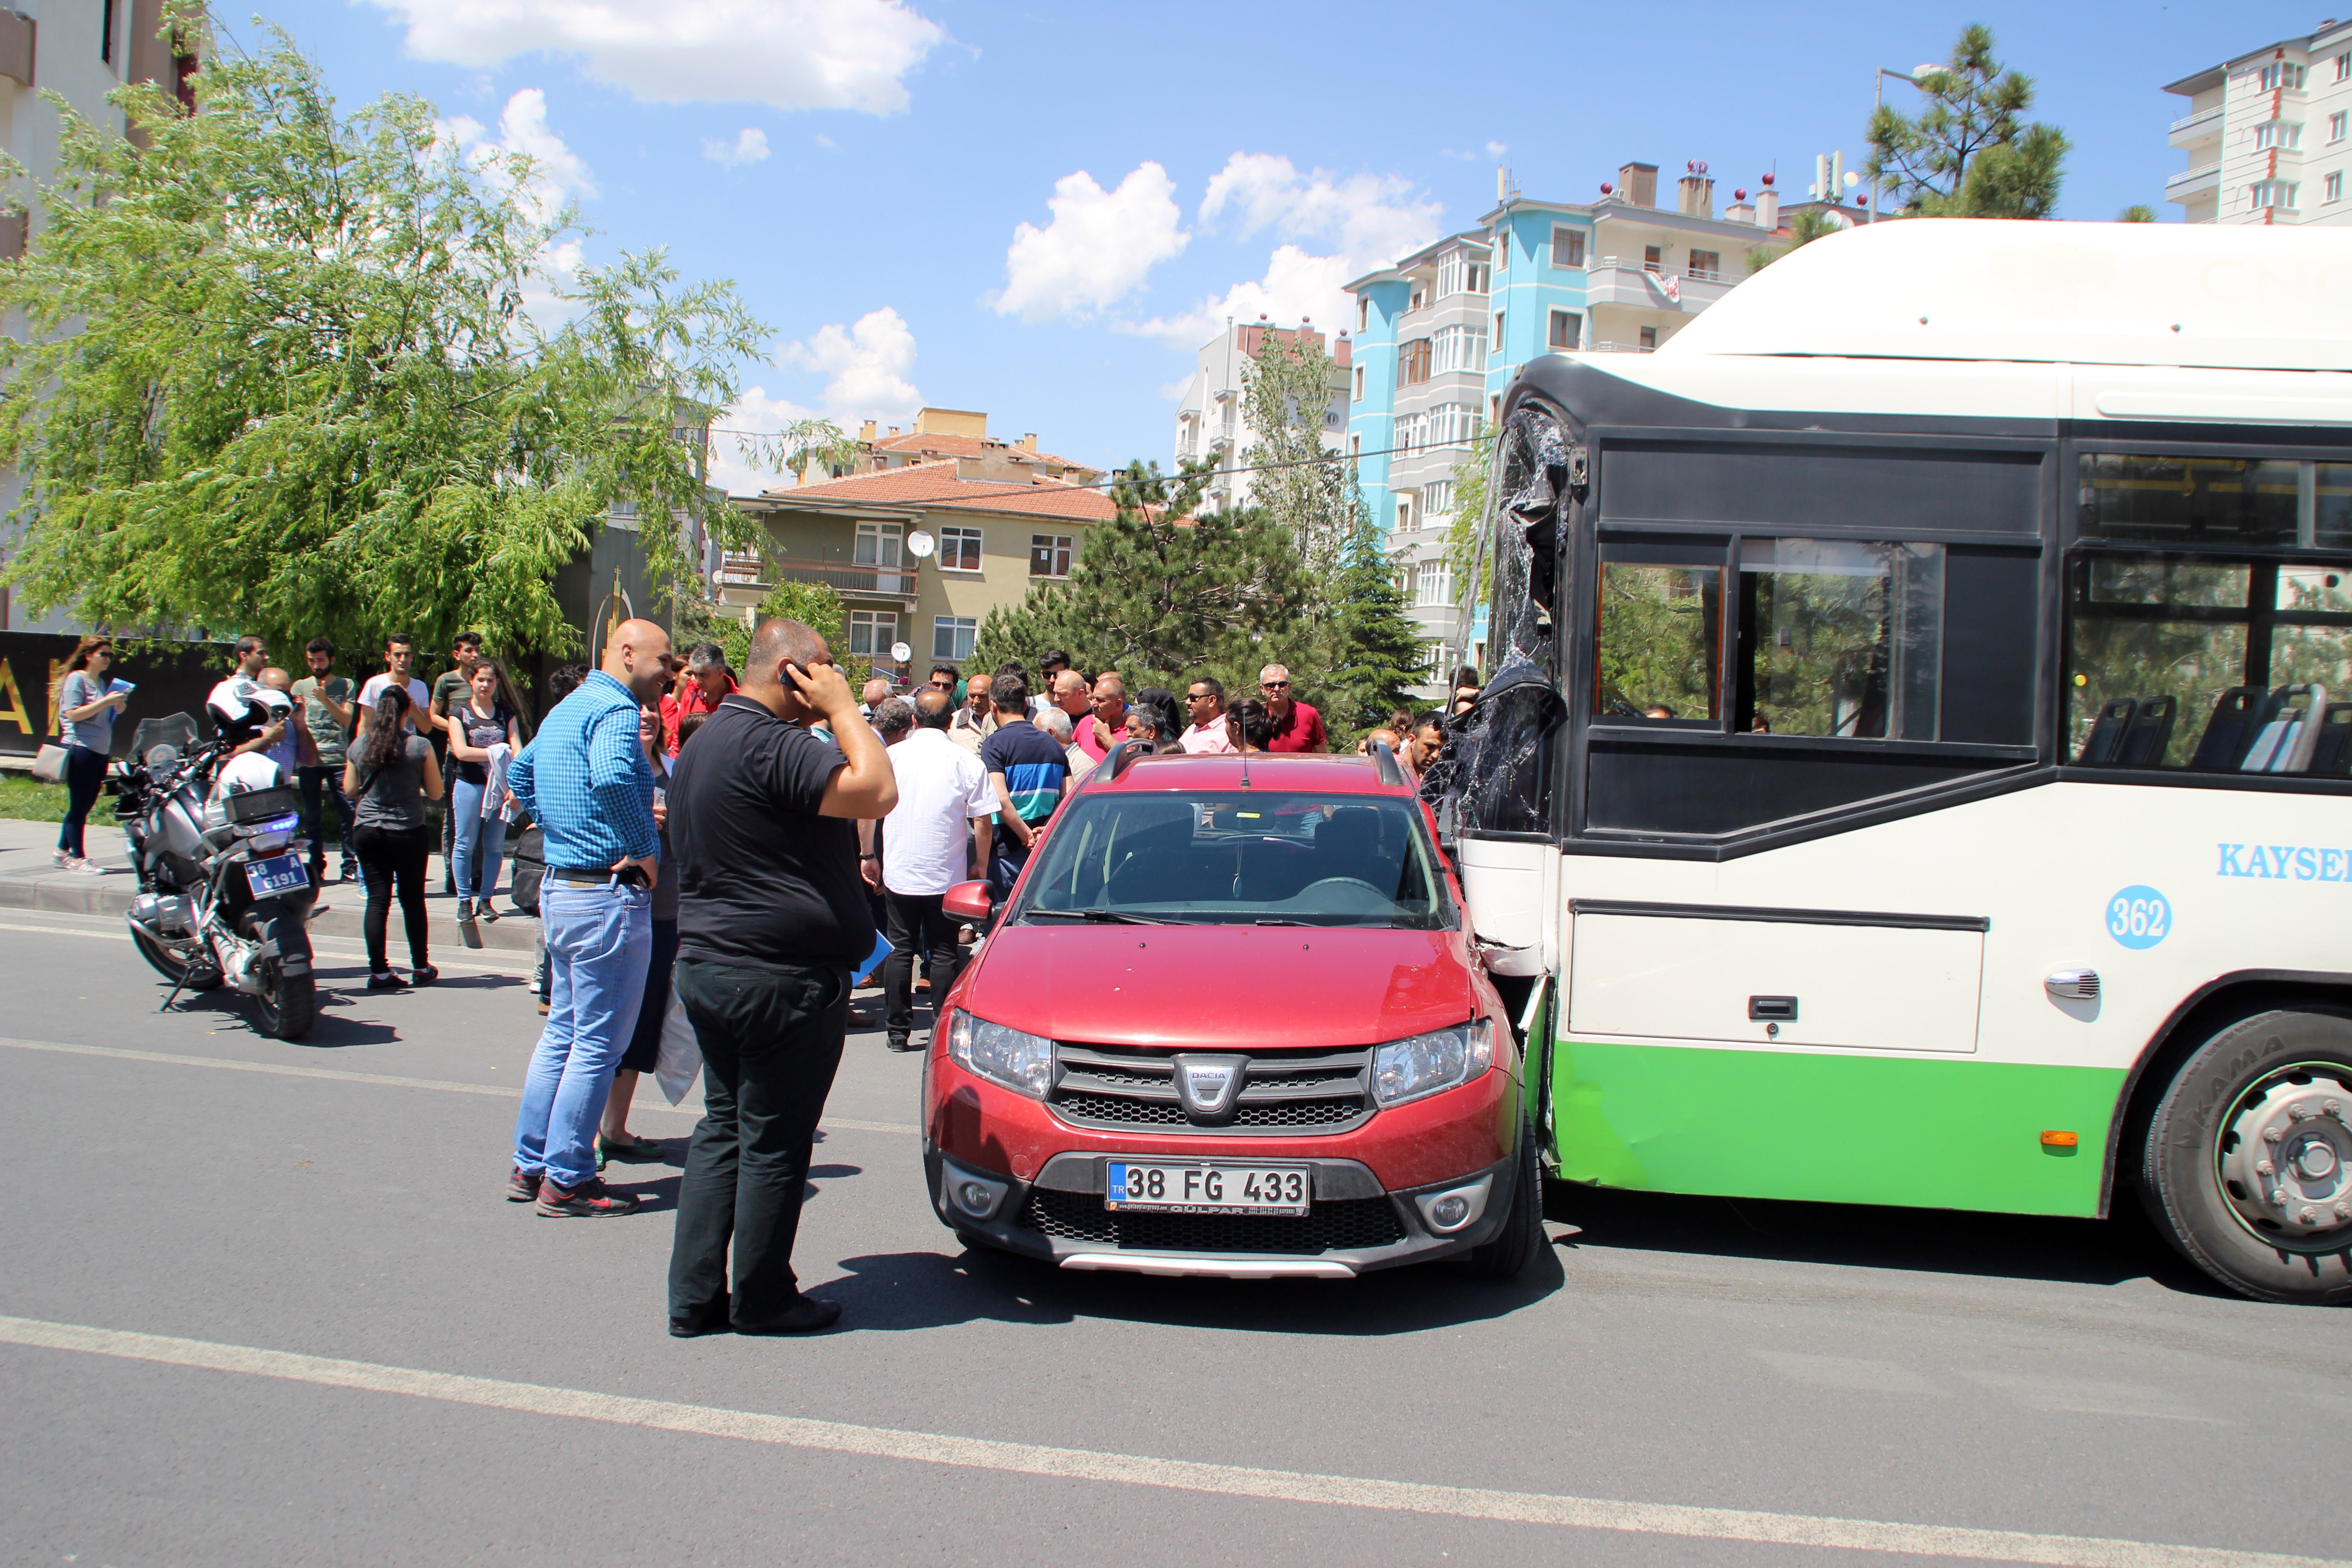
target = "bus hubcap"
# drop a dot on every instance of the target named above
(2288, 1168)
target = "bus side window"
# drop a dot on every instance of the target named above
(1841, 640)
(1661, 643)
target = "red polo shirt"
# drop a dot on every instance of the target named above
(1300, 730)
(673, 708)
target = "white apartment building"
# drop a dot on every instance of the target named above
(1212, 421)
(2269, 135)
(80, 50)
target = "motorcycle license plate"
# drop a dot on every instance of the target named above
(279, 874)
(1183, 1186)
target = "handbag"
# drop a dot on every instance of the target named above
(679, 1060)
(49, 764)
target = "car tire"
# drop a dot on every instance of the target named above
(2277, 1083)
(1507, 1254)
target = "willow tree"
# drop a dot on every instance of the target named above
(289, 372)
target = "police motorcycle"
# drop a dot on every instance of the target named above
(226, 892)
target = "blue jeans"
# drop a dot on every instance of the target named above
(480, 843)
(599, 942)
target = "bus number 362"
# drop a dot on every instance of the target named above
(2139, 916)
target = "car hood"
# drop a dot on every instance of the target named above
(1233, 987)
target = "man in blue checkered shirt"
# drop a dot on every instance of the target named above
(586, 780)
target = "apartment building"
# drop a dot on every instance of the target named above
(1211, 420)
(1439, 336)
(997, 518)
(2268, 135)
(80, 50)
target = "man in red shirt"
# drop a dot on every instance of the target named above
(1103, 725)
(1296, 726)
(706, 684)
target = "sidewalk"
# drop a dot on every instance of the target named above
(28, 882)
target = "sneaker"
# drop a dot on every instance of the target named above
(86, 868)
(61, 860)
(387, 981)
(901, 1043)
(592, 1199)
(542, 1007)
(351, 872)
(465, 911)
(483, 912)
(424, 975)
(523, 1187)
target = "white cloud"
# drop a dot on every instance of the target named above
(822, 140)
(1097, 250)
(1372, 219)
(750, 146)
(791, 54)
(865, 366)
(1296, 286)
(1496, 149)
(759, 413)
(557, 173)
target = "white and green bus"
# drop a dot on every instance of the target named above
(1918, 770)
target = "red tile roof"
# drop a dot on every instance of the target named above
(935, 486)
(967, 447)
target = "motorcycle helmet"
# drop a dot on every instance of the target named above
(242, 708)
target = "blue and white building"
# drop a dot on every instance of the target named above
(1439, 335)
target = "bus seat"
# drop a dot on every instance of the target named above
(2106, 736)
(2230, 730)
(2333, 752)
(2150, 735)
(2283, 744)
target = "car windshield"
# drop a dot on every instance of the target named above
(1250, 857)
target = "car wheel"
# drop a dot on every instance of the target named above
(1514, 1246)
(2247, 1170)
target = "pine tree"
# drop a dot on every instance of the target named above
(1968, 154)
(1374, 648)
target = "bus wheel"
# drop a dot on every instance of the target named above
(2248, 1168)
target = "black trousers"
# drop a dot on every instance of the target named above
(391, 857)
(771, 1044)
(915, 924)
(318, 785)
(85, 778)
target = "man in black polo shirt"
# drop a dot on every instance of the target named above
(771, 916)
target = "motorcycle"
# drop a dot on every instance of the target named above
(224, 889)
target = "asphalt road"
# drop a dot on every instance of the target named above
(284, 1316)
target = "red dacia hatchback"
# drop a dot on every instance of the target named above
(1230, 1022)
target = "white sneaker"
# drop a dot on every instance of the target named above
(86, 868)
(61, 860)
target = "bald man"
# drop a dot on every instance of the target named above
(585, 781)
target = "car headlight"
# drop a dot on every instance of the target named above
(1018, 1061)
(1443, 1058)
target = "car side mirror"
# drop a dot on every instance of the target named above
(968, 901)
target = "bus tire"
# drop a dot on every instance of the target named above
(2265, 1102)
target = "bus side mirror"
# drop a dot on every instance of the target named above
(966, 901)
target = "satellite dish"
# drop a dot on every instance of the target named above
(919, 544)
(900, 653)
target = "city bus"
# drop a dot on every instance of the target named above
(1916, 764)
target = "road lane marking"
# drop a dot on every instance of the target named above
(340, 948)
(1135, 1469)
(337, 1075)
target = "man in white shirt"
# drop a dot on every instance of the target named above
(1206, 734)
(944, 798)
(976, 720)
(399, 654)
(1056, 724)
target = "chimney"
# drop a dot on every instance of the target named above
(1695, 192)
(866, 431)
(894, 429)
(1638, 183)
(1768, 206)
(1740, 210)
(1029, 441)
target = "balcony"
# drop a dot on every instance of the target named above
(1615, 281)
(744, 569)
(2194, 182)
(1605, 347)
(2202, 125)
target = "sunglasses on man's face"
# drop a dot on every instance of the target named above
(1273, 685)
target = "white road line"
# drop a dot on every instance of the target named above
(1135, 1469)
(336, 1075)
(341, 950)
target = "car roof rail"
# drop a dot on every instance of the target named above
(1115, 761)
(1384, 762)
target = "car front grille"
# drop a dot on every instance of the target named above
(1337, 1224)
(1282, 1091)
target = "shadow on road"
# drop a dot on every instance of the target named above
(2015, 1247)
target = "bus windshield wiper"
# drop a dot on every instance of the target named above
(1108, 916)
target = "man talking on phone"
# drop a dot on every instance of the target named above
(772, 916)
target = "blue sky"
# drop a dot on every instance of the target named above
(863, 170)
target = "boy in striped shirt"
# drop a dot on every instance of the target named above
(1029, 772)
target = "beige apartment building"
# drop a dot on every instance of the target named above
(2268, 135)
(998, 515)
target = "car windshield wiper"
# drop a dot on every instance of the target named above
(1108, 916)
(1278, 921)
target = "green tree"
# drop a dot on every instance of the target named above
(815, 604)
(1970, 153)
(1804, 227)
(801, 445)
(1367, 652)
(1468, 559)
(1299, 483)
(2138, 212)
(278, 375)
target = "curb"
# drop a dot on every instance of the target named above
(70, 893)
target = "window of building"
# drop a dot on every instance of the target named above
(1432, 584)
(1450, 424)
(952, 636)
(1707, 266)
(880, 544)
(1498, 339)
(1436, 498)
(1363, 313)
(1413, 362)
(1360, 383)
(1649, 337)
(1049, 555)
(1404, 511)
(872, 633)
(2344, 68)
(1355, 447)
(2331, 188)
(1420, 296)
(959, 549)
(2286, 133)
(2335, 124)
(2273, 194)
(1654, 258)
(1459, 272)
(106, 32)
(1502, 250)
(1457, 348)
(1567, 331)
(1567, 246)
(2282, 77)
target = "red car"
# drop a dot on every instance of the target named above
(1230, 1022)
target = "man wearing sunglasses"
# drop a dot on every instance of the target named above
(1296, 726)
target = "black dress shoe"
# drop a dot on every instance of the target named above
(805, 1316)
(709, 1319)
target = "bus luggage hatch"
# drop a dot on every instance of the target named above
(1730, 975)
